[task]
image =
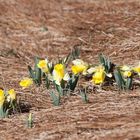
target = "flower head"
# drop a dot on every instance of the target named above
(12, 94)
(59, 73)
(99, 75)
(126, 71)
(2, 97)
(26, 82)
(76, 69)
(43, 65)
(79, 66)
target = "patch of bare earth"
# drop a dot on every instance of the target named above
(50, 29)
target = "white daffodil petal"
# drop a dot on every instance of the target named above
(91, 70)
(50, 65)
(109, 75)
(57, 82)
(46, 60)
(50, 77)
(66, 77)
(78, 62)
(8, 98)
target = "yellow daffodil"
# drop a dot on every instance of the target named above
(126, 71)
(43, 65)
(2, 97)
(137, 69)
(12, 94)
(76, 69)
(99, 76)
(79, 66)
(26, 82)
(98, 69)
(59, 73)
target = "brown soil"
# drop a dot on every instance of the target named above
(51, 28)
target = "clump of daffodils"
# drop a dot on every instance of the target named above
(7, 102)
(63, 79)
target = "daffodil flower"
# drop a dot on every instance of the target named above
(12, 94)
(137, 69)
(59, 74)
(43, 65)
(99, 75)
(26, 82)
(126, 71)
(2, 97)
(79, 67)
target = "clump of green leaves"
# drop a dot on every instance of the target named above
(84, 95)
(35, 73)
(66, 87)
(55, 98)
(123, 83)
(108, 65)
(7, 102)
(72, 83)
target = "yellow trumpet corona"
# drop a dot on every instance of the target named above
(26, 82)
(2, 97)
(43, 65)
(98, 77)
(58, 72)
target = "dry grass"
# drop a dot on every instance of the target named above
(51, 28)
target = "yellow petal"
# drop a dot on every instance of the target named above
(137, 69)
(2, 97)
(127, 73)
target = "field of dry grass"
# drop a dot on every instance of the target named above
(51, 28)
